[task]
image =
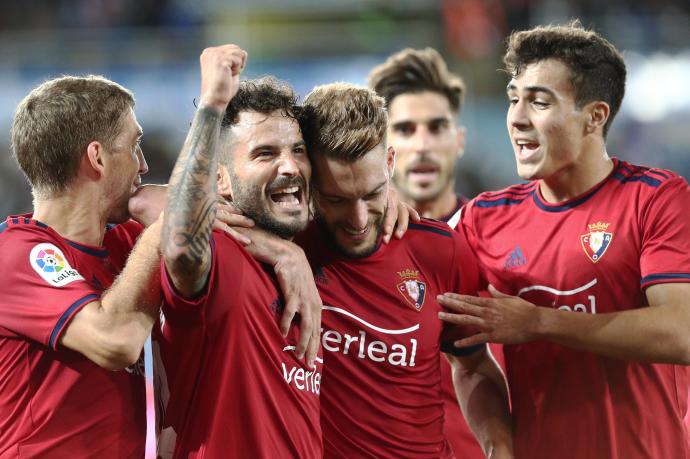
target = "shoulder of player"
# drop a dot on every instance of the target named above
(428, 228)
(507, 197)
(644, 177)
(18, 228)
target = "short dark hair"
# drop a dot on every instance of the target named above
(343, 121)
(263, 95)
(597, 68)
(56, 121)
(415, 71)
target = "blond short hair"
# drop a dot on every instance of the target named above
(56, 121)
(343, 121)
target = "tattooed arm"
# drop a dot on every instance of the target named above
(191, 204)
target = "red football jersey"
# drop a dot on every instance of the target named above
(592, 254)
(228, 384)
(55, 402)
(381, 395)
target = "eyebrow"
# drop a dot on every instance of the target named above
(544, 89)
(439, 119)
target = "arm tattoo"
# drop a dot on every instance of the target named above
(190, 209)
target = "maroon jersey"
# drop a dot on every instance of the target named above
(228, 384)
(381, 395)
(593, 254)
(54, 402)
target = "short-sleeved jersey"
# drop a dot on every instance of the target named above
(54, 401)
(228, 384)
(593, 254)
(381, 338)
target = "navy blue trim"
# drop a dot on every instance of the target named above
(637, 178)
(65, 315)
(15, 220)
(89, 250)
(40, 224)
(502, 202)
(431, 229)
(27, 221)
(664, 276)
(448, 348)
(109, 226)
(519, 193)
(3, 226)
(662, 174)
(567, 206)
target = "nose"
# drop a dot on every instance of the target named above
(288, 165)
(517, 115)
(143, 166)
(359, 215)
(421, 139)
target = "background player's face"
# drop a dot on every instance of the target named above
(427, 142)
(270, 172)
(126, 165)
(545, 125)
(351, 199)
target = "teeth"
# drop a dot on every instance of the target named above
(292, 189)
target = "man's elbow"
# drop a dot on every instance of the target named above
(116, 355)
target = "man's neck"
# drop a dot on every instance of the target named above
(588, 171)
(439, 207)
(75, 216)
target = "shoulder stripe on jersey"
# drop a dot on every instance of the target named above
(89, 250)
(66, 315)
(502, 201)
(664, 276)
(520, 190)
(637, 178)
(40, 224)
(431, 229)
(662, 174)
(3, 226)
(15, 220)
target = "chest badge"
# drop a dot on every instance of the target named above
(597, 241)
(412, 289)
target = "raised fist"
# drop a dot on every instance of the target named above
(220, 74)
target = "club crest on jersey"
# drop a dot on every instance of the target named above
(411, 288)
(51, 264)
(597, 241)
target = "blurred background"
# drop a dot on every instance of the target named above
(152, 47)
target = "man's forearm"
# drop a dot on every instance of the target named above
(481, 390)
(648, 334)
(190, 208)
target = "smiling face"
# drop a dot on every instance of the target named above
(427, 142)
(546, 127)
(351, 199)
(270, 171)
(126, 166)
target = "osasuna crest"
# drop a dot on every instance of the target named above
(596, 241)
(412, 289)
(51, 264)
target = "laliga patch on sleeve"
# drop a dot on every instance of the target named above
(50, 263)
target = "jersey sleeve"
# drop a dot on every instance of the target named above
(465, 280)
(119, 241)
(232, 259)
(665, 254)
(41, 286)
